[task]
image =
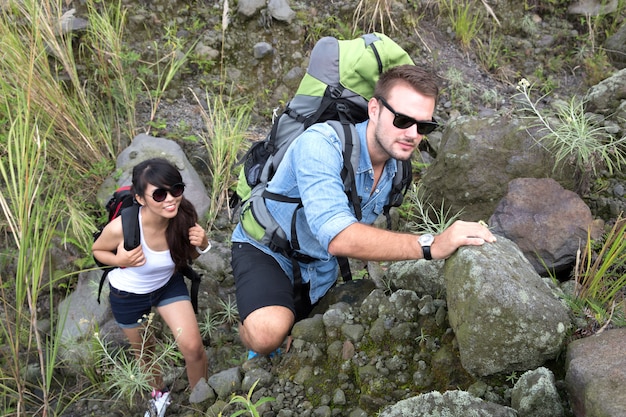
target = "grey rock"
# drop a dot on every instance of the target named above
(477, 159)
(423, 277)
(535, 395)
(280, 10)
(201, 392)
(262, 49)
(593, 7)
(145, 147)
(226, 382)
(451, 403)
(403, 306)
(310, 330)
(615, 47)
(504, 316)
(249, 8)
(353, 332)
(259, 376)
(608, 94)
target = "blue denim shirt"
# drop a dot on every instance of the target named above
(311, 171)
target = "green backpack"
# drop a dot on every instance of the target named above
(338, 84)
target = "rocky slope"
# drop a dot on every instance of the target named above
(535, 42)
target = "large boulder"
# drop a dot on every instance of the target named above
(505, 316)
(615, 47)
(596, 374)
(476, 160)
(145, 147)
(450, 403)
(548, 223)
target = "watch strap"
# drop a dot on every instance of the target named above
(426, 252)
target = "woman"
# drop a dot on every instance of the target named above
(148, 275)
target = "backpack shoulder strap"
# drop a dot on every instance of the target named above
(132, 237)
(130, 226)
(195, 279)
(351, 155)
(401, 182)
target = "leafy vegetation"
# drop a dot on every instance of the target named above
(423, 217)
(600, 277)
(129, 376)
(249, 407)
(571, 135)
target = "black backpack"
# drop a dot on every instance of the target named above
(122, 203)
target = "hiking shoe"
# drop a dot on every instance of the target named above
(252, 354)
(158, 404)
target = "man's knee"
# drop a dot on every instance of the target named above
(264, 330)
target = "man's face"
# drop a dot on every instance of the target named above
(385, 139)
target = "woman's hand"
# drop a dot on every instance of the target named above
(126, 258)
(198, 237)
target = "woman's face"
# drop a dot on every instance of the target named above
(163, 201)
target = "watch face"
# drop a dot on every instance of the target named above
(426, 239)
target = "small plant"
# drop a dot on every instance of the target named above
(425, 218)
(209, 324)
(372, 15)
(512, 378)
(229, 314)
(130, 376)
(492, 53)
(572, 137)
(423, 338)
(466, 22)
(460, 91)
(250, 408)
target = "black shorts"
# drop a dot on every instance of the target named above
(259, 280)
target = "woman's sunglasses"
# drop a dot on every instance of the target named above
(402, 121)
(176, 190)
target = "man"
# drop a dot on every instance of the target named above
(400, 113)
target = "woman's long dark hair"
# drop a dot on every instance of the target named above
(163, 174)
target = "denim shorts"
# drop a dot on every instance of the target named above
(130, 309)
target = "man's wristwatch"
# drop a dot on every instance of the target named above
(425, 241)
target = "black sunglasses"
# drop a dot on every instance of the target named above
(176, 190)
(402, 121)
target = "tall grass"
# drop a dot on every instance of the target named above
(31, 208)
(54, 135)
(32, 41)
(603, 277)
(226, 123)
(465, 20)
(600, 278)
(113, 79)
(372, 16)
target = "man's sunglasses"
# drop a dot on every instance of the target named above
(402, 121)
(176, 190)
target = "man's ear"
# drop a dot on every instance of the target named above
(373, 107)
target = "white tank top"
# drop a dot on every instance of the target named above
(151, 276)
